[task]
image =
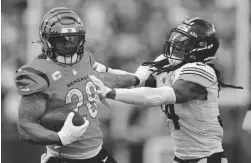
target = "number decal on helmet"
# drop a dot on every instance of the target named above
(68, 30)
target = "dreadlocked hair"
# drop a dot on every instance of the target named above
(221, 84)
(158, 65)
(163, 66)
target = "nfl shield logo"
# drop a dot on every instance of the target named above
(74, 71)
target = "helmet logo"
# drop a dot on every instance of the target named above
(204, 48)
(193, 34)
(68, 30)
(202, 43)
(184, 27)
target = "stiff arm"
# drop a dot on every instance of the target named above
(182, 91)
(117, 80)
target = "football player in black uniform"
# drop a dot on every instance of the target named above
(187, 90)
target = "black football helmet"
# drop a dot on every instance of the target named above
(195, 40)
(62, 36)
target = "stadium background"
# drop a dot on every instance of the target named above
(122, 34)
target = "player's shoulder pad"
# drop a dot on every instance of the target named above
(30, 80)
(91, 58)
(198, 73)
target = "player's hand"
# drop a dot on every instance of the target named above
(143, 72)
(99, 67)
(160, 58)
(102, 90)
(69, 132)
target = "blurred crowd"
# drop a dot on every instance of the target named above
(121, 34)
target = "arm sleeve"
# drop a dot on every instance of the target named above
(28, 81)
(119, 72)
(146, 96)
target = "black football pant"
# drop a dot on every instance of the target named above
(101, 157)
(214, 158)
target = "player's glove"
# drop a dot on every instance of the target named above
(101, 89)
(69, 132)
(143, 72)
(160, 58)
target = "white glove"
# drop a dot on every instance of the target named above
(101, 89)
(143, 72)
(99, 67)
(69, 132)
(159, 58)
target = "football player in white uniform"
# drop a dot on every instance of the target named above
(187, 90)
(246, 125)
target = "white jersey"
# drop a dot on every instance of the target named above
(197, 131)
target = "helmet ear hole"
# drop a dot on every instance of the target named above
(42, 56)
(192, 57)
(50, 54)
(44, 36)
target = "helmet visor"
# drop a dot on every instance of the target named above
(178, 44)
(66, 45)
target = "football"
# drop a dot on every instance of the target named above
(54, 119)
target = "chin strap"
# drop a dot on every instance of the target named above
(210, 59)
(68, 60)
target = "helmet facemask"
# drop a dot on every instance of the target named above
(178, 46)
(66, 48)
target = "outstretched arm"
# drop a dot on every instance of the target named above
(144, 96)
(99, 67)
(180, 92)
(117, 80)
(143, 75)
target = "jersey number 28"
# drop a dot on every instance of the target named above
(91, 105)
